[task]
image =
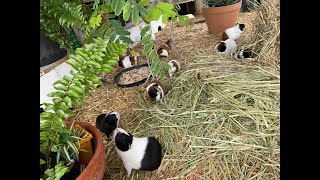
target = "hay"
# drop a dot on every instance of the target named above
(219, 120)
(266, 41)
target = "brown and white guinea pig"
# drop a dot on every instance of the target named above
(128, 61)
(175, 67)
(165, 49)
(155, 91)
(142, 153)
(107, 123)
(227, 47)
(233, 32)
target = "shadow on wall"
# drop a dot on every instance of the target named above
(50, 51)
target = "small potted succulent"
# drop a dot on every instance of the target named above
(221, 14)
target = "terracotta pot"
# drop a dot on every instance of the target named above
(85, 144)
(96, 167)
(219, 19)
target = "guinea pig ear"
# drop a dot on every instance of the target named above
(100, 117)
(130, 135)
(242, 26)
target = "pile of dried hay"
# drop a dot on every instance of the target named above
(220, 119)
(266, 39)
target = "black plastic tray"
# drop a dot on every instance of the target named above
(137, 83)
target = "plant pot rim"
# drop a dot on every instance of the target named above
(136, 83)
(220, 7)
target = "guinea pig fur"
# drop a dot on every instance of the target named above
(142, 153)
(227, 47)
(165, 49)
(128, 61)
(175, 67)
(155, 91)
(233, 32)
(107, 123)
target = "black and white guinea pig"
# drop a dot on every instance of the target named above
(128, 61)
(245, 53)
(233, 33)
(175, 67)
(142, 153)
(227, 47)
(164, 49)
(107, 123)
(155, 91)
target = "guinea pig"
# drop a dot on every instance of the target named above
(128, 61)
(227, 47)
(155, 91)
(175, 67)
(142, 153)
(233, 33)
(107, 123)
(164, 49)
(245, 53)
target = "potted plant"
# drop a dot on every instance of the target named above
(221, 14)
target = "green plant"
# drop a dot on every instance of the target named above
(102, 48)
(218, 3)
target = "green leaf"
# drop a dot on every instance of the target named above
(144, 30)
(157, 70)
(152, 54)
(63, 105)
(49, 107)
(73, 93)
(154, 64)
(127, 10)
(144, 2)
(164, 6)
(60, 112)
(147, 48)
(135, 15)
(79, 76)
(142, 10)
(72, 63)
(61, 81)
(77, 89)
(42, 161)
(118, 7)
(145, 39)
(94, 64)
(165, 18)
(61, 87)
(166, 65)
(56, 94)
(68, 100)
(154, 13)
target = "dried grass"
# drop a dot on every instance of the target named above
(220, 118)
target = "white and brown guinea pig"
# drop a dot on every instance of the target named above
(165, 49)
(155, 91)
(142, 153)
(245, 53)
(128, 61)
(233, 33)
(227, 47)
(107, 123)
(175, 67)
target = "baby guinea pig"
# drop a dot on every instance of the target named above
(142, 153)
(175, 67)
(233, 33)
(155, 91)
(107, 123)
(227, 47)
(128, 61)
(164, 49)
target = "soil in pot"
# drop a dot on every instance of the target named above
(218, 19)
